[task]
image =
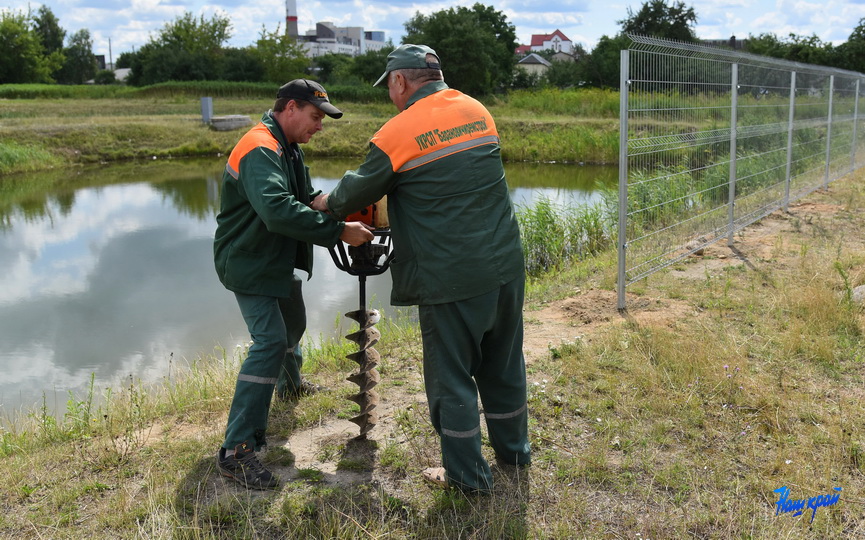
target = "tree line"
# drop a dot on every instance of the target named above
(476, 44)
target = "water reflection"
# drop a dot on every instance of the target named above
(111, 273)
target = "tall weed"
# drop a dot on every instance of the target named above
(553, 235)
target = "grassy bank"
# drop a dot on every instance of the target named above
(733, 374)
(49, 126)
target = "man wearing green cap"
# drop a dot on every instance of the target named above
(457, 256)
(265, 230)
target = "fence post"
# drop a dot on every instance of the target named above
(623, 174)
(734, 104)
(790, 120)
(855, 125)
(829, 132)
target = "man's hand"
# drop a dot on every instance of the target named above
(319, 203)
(356, 233)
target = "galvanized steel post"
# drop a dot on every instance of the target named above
(734, 106)
(855, 125)
(790, 123)
(623, 175)
(829, 132)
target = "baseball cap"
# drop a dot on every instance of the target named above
(309, 91)
(409, 56)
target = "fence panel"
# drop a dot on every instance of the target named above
(712, 140)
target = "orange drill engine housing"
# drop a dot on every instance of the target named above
(374, 215)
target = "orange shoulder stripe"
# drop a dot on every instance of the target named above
(254, 138)
(438, 125)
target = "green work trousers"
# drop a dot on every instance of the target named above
(473, 347)
(276, 326)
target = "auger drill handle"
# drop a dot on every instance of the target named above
(363, 260)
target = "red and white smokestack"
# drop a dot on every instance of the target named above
(291, 18)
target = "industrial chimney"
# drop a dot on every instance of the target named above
(291, 18)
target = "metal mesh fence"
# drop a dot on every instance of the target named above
(712, 140)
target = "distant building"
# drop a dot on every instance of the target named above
(534, 64)
(120, 74)
(556, 42)
(327, 38)
(564, 57)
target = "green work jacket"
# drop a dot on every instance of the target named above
(265, 228)
(454, 231)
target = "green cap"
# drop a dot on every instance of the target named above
(409, 56)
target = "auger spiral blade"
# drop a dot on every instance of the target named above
(365, 422)
(366, 377)
(366, 380)
(365, 338)
(365, 357)
(364, 317)
(366, 400)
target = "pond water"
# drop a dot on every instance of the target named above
(109, 273)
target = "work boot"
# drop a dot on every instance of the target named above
(306, 388)
(245, 468)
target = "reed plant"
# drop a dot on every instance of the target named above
(554, 235)
(574, 102)
(16, 157)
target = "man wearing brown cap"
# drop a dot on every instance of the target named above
(458, 256)
(265, 230)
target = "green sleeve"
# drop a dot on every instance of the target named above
(270, 193)
(360, 188)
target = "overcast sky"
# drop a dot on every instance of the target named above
(130, 24)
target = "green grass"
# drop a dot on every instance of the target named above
(750, 380)
(24, 158)
(85, 124)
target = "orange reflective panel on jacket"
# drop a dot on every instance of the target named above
(254, 138)
(436, 126)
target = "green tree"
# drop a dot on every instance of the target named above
(333, 68)
(242, 65)
(476, 46)
(522, 79)
(851, 54)
(281, 55)
(197, 36)
(22, 55)
(369, 66)
(47, 27)
(124, 60)
(80, 64)
(105, 76)
(564, 74)
(805, 49)
(601, 68)
(656, 18)
(186, 49)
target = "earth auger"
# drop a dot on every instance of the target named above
(369, 259)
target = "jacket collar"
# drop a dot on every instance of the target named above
(426, 90)
(268, 120)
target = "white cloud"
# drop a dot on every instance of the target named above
(130, 25)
